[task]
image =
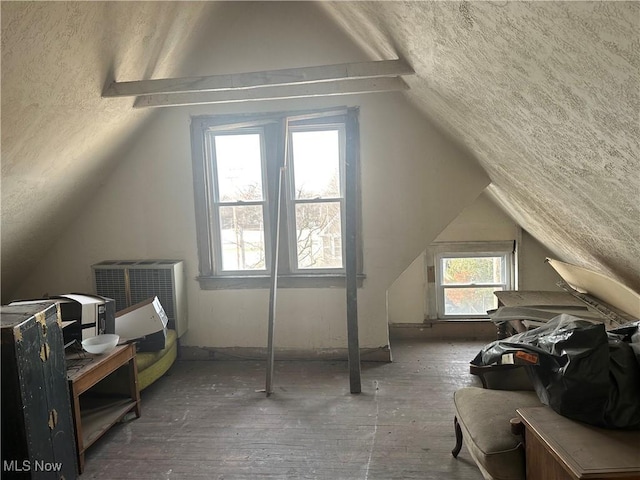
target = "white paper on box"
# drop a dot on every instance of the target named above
(141, 319)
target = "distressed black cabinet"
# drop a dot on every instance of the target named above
(37, 427)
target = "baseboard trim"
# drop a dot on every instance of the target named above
(454, 330)
(374, 354)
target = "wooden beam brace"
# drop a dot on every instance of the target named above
(238, 81)
(351, 256)
(345, 87)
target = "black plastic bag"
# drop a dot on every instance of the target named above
(630, 333)
(577, 368)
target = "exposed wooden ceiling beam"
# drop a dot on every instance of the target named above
(237, 81)
(344, 87)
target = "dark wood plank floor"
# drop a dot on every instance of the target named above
(207, 421)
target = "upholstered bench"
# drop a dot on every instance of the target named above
(483, 421)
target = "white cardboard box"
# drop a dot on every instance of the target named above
(146, 321)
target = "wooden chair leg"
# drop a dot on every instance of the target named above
(458, 430)
(517, 428)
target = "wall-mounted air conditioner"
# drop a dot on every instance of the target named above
(129, 282)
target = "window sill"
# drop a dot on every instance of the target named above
(459, 319)
(238, 282)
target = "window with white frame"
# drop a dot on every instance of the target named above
(237, 164)
(467, 274)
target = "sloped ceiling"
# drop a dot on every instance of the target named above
(60, 139)
(546, 94)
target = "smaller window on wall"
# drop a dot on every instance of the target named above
(465, 275)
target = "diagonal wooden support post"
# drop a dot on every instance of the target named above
(351, 257)
(275, 247)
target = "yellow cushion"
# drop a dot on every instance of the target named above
(152, 365)
(146, 359)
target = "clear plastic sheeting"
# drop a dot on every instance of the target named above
(578, 368)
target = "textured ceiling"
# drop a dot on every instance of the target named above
(60, 139)
(546, 95)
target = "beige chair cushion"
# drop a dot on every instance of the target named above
(484, 417)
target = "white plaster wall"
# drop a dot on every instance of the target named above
(482, 221)
(406, 298)
(145, 208)
(146, 211)
(535, 273)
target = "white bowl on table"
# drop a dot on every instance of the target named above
(101, 344)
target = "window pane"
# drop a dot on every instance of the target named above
(471, 270)
(316, 164)
(242, 233)
(469, 301)
(238, 159)
(319, 235)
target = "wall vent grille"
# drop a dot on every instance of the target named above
(129, 282)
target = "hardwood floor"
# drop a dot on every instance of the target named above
(206, 420)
